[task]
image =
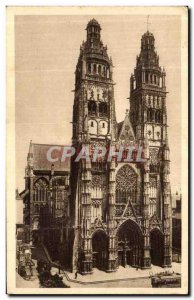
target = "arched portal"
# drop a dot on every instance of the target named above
(157, 247)
(35, 237)
(100, 250)
(130, 242)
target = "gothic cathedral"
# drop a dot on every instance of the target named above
(120, 212)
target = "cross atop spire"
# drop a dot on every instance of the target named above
(148, 22)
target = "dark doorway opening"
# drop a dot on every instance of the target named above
(130, 243)
(100, 250)
(157, 247)
(35, 237)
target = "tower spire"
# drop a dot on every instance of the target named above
(29, 167)
(30, 152)
(148, 22)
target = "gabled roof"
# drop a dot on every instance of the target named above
(119, 126)
(40, 161)
(125, 130)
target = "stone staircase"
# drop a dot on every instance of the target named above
(39, 253)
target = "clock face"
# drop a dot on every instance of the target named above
(97, 93)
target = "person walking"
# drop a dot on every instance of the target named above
(76, 273)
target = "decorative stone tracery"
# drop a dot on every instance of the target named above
(97, 181)
(41, 188)
(126, 191)
(154, 160)
(126, 179)
(153, 155)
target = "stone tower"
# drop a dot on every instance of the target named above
(148, 116)
(94, 125)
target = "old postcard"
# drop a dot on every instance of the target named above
(97, 150)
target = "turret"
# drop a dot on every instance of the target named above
(93, 34)
(30, 155)
(147, 42)
(147, 69)
(29, 167)
(94, 106)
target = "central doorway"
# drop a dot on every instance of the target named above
(130, 241)
(100, 250)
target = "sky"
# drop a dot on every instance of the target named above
(46, 53)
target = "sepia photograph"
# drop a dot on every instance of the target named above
(97, 150)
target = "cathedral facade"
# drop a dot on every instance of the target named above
(111, 212)
(120, 212)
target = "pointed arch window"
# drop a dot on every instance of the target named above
(92, 108)
(41, 187)
(146, 77)
(99, 69)
(158, 116)
(103, 109)
(94, 68)
(89, 68)
(104, 71)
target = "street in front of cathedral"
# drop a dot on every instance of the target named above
(126, 277)
(100, 212)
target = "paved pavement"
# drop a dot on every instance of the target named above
(124, 277)
(22, 283)
(122, 273)
(123, 283)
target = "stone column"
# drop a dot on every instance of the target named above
(83, 67)
(163, 79)
(143, 75)
(112, 255)
(167, 216)
(146, 260)
(85, 259)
